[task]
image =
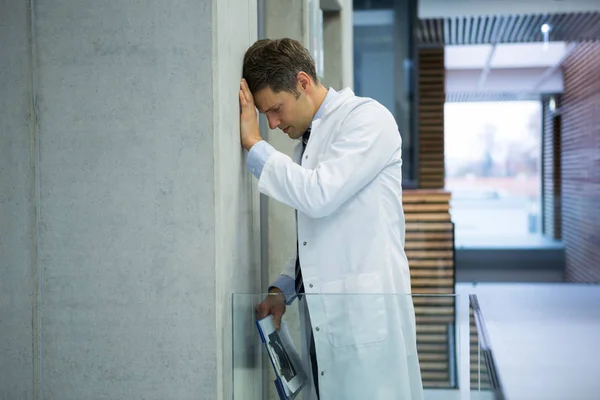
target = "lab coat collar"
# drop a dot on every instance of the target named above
(333, 100)
(337, 100)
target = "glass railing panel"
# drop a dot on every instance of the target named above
(484, 377)
(419, 333)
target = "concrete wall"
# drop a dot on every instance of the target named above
(128, 198)
(347, 27)
(237, 222)
(17, 209)
(338, 46)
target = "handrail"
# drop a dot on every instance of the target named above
(486, 348)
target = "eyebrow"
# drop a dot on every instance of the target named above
(271, 108)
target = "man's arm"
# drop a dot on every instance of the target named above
(278, 298)
(258, 156)
(285, 285)
(368, 141)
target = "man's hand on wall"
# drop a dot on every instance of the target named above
(249, 132)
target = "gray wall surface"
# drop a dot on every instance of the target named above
(17, 211)
(135, 178)
(338, 46)
(237, 228)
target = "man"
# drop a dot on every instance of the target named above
(350, 271)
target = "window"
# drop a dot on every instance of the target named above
(492, 157)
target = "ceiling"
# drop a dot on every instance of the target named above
(498, 56)
(509, 55)
(462, 8)
(522, 28)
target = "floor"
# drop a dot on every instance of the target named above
(545, 338)
(482, 241)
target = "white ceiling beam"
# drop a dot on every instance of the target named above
(486, 68)
(507, 80)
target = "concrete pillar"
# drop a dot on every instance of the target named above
(128, 217)
(347, 29)
(337, 43)
(17, 208)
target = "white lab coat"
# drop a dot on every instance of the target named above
(351, 240)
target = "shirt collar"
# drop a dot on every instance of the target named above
(331, 94)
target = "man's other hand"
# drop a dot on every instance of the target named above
(249, 132)
(274, 304)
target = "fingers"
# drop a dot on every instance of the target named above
(262, 311)
(263, 308)
(243, 99)
(277, 319)
(245, 90)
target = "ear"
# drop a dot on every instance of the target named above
(304, 83)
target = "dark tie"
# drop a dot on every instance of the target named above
(305, 138)
(299, 282)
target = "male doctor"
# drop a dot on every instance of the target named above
(350, 271)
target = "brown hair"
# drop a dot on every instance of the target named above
(275, 64)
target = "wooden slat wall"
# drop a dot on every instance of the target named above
(430, 251)
(551, 179)
(432, 96)
(580, 144)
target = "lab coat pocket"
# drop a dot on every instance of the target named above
(355, 310)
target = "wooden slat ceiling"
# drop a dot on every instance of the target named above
(489, 29)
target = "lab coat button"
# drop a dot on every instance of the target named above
(322, 373)
(317, 329)
(304, 244)
(311, 285)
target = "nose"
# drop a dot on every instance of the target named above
(273, 122)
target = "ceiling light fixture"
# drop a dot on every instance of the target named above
(546, 29)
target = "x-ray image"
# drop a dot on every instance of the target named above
(284, 356)
(281, 357)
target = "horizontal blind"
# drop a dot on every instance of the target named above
(430, 250)
(432, 96)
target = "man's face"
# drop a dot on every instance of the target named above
(286, 111)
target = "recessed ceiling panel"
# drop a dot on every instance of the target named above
(523, 28)
(466, 57)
